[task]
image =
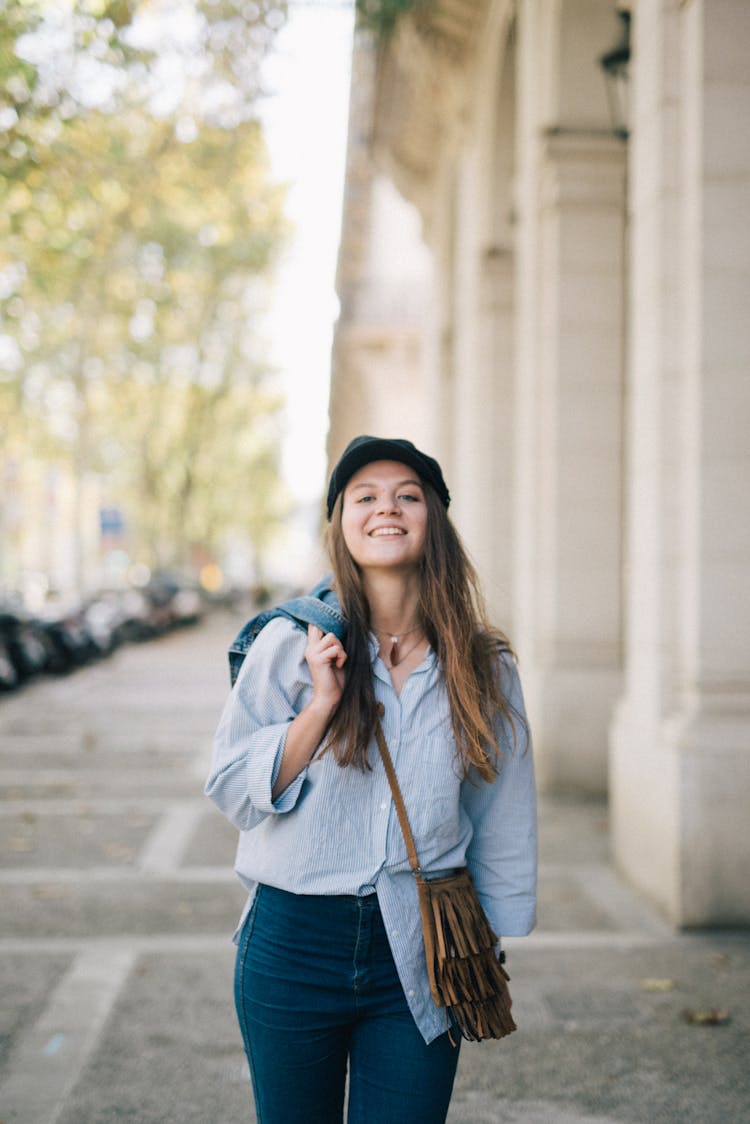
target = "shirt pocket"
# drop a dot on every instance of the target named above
(435, 823)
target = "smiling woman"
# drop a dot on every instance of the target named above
(331, 968)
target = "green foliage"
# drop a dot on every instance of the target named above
(380, 16)
(137, 240)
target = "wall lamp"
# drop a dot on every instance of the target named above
(616, 63)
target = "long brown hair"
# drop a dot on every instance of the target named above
(465, 643)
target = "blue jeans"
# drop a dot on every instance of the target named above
(315, 986)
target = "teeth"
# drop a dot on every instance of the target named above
(387, 531)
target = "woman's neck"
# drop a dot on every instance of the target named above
(393, 600)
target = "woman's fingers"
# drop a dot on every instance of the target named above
(325, 657)
(325, 646)
(332, 651)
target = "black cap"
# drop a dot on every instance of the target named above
(364, 450)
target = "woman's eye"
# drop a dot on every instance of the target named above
(409, 496)
(365, 499)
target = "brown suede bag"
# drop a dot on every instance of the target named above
(465, 974)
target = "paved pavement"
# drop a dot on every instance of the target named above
(118, 901)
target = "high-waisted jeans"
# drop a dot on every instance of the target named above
(315, 986)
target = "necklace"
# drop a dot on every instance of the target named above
(395, 656)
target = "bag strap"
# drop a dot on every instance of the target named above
(398, 799)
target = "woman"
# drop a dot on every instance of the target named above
(330, 965)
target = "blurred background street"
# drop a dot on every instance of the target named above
(119, 901)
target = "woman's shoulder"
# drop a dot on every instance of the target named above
(498, 647)
(280, 634)
(277, 624)
(505, 663)
(505, 656)
(276, 651)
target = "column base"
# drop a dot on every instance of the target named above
(679, 805)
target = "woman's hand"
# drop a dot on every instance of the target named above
(325, 657)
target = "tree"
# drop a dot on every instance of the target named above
(137, 240)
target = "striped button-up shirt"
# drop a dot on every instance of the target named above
(335, 830)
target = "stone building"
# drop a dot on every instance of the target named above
(565, 327)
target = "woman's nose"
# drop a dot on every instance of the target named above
(388, 504)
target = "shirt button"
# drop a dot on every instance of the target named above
(394, 932)
(411, 993)
(383, 806)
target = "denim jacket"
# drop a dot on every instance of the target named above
(320, 607)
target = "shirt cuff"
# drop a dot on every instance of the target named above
(263, 768)
(287, 799)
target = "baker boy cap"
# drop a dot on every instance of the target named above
(365, 449)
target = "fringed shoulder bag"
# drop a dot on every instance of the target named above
(466, 976)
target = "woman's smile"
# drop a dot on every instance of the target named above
(379, 531)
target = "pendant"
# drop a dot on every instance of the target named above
(393, 656)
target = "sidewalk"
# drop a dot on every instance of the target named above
(118, 901)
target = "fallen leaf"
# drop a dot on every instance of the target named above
(713, 1016)
(49, 892)
(658, 985)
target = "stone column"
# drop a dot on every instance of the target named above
(481, 297)
(680, 750)
(482, 407)
(378, 378)
(571, 213)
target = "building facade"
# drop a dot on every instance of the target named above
(574, 349)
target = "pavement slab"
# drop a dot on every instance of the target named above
(118, 904)
(187, 1061)
(596, 1036)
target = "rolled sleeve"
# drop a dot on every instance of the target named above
(271, 689)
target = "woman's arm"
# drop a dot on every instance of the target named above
(502, 855)
(325, 657)
(256, 769)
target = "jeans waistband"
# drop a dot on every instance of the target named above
(368, 894)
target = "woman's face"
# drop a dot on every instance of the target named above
(384, 516)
